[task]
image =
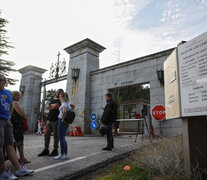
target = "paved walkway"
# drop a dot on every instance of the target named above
(85, 155)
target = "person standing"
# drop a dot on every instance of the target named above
(108, 117)
(52, 125)
(62, 125)
(17, 119)
(6, 135)
(39, 125)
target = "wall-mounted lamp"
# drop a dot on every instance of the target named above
(160, 76)
(75, 73)
(22, 89)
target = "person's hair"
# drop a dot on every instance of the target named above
(15, 93)
(64, 96)
(60, 90)
(109, 95)
(3, 77)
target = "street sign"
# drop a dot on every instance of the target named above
(93, 116)
(192, 59)
(158, 112)
(172, 98)
(93, 125)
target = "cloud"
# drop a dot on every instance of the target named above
(42, 28)
(177, 23)
(172, 14)
(123, 15)
(125, 10)
(203, 3)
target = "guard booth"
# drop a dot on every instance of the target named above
(135, 109)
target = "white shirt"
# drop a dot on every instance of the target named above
(64, 104)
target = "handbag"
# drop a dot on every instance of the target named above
(102, 129)
(70, 116)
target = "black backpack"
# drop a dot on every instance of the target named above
(70, 116)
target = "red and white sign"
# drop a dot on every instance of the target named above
(158, 112)
(138, 116)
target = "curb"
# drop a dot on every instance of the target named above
(92, 168)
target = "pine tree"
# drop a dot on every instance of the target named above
(5, 66)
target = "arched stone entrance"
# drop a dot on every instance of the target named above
(88, 87)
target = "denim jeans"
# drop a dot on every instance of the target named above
(109, 136)
(62, 127)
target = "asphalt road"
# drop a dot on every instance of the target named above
(85, 154)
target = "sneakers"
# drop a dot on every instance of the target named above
(106, 149)
(65, 157)
(7, 175)
(62, 157)
(59, 156)
(23, 171)
(45, 152)
(54, 152)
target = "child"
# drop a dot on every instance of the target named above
(39, 121)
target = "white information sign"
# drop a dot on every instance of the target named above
(192, 59)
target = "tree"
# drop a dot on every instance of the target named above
(50, 94)
(137, 92)
(5, 66)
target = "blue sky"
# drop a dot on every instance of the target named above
(149, 16)
(38, 29)
(185, 18)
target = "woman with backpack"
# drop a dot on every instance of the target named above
(63, 125)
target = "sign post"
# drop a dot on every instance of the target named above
(93, 125)
(192, 60)
(93, 119)
(186, 98)
(93, 116)
(158, 112)
(192, 64)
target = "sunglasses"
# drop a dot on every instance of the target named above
(2, 80)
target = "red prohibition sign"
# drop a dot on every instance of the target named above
(158, 112)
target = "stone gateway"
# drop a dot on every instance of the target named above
(87, 84)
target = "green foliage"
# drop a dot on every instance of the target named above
(138, 92)
(159, 159)
(118, 172)
(50, 94)
(163, 156)
(5, 65)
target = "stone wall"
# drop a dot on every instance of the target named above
(31, 79)
(88, 91)
(84, 55)
(138, 71)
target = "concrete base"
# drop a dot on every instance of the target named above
(195, 148)
(129, 126)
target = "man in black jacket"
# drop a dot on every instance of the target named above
(52, 126)
(108, 117)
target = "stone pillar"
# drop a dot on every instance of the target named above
(31, 78)
(84, 55)
(195, 148)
